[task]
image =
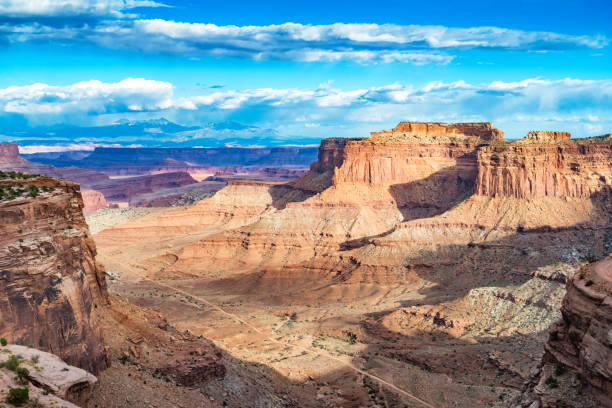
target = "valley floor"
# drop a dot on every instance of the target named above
(335, 343)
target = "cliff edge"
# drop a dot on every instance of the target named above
(50, 283)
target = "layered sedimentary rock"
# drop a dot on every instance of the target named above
(431, 130)
(93, 200)
(10, 159)
(576, 369)
(127, 188)
(548, 136)
(400, 226)
(115, 161)
(9, 155)
(418, 192)
(528, 170)
(50, 282)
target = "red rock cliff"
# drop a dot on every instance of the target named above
(9, 155)
(50, 283)
(530, 170)
(548, 136)
(434, 130)
(576, 369)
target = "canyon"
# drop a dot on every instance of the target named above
(146, 177)
(428, 265)
(432, 256)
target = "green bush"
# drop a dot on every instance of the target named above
(18, 396)
(22, 375)
(552, 382)
(3, 342)
(12, 363)
(589, 283)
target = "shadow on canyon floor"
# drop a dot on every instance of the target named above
(428, 197)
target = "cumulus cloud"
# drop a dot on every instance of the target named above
(90, 97)
(582, 106)
(71, 8)
(363, 43)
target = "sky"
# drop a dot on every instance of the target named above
(302, 71)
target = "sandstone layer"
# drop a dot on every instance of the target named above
(50, 282)
(580, 169)
(433, 130)
(548, 136)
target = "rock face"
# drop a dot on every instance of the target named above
(128, 188)
(9, 155)
(548, 136)
(49, 372)
(413, 188)
(432, 130)
(50, 282)
(93, 200)
(576, 369)
(577, 169)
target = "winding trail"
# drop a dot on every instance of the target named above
(381, 381)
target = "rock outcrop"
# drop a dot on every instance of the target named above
(576, 369)
(93, 200)
(435, 131)
(575, 169)
(9, 156)
(48, 372)
(548, 136)
(50, 282)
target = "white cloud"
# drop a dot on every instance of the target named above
(362, 43)
(582, 106)
(90, 97)
(71, 8)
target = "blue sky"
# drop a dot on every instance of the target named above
(306, 69)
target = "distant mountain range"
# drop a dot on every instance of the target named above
(159, 132)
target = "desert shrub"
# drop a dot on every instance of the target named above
(35, 358)
(18, 396)
(589, 283)
(551, 381)
(3, 342)
(33, 191)
(12, 363)
(22, 375)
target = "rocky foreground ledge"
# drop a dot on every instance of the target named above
(30, 377)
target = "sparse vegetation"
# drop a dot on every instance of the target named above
(11, 192)
(552, 382)
(589, 283)
(12, 363)
(17, 175)
(3, 342)
(18, 396)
